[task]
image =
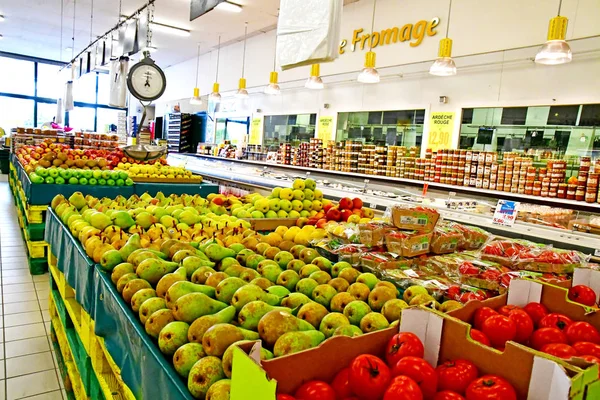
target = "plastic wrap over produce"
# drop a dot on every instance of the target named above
(308, 32)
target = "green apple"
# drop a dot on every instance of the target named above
(73, 181)
(123, 175)
(110, 182)
(87, 174)
(53, 172)
(83, 181)
(120, 182)
(59, 180)
(114, 175)
(65, 173)
(97, 174)
(93, 181)
(35, 178)
(49, 180)
(128, 182)
(106, 174)
(102, 182)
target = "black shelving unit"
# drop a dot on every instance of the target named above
(179, 127)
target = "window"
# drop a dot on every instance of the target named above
(467, 116)
(563, 115)
(103, 88)
(84, 88)
(45, 112)
(107, 117)
(82, 118)
(288, 129)
(48, 81)
(514, 115)
(16, 76)
(15, 112)
(590, 115)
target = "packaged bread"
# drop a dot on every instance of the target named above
(418, 218)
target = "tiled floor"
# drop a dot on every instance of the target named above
(28, 367)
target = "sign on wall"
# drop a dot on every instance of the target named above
(325, 129)
(256, 131)
(441, 127)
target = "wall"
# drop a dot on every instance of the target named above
(494, 43)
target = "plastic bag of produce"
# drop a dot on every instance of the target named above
(343, 232)
(408, 243)
(373, 233)
(473, 237)
(417, 218)
(482, 274)
(551, 260)
(507, 251)
(446, 239)
(381, 261)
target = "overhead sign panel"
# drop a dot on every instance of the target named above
(200, 7)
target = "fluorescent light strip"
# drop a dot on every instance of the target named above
(173, 30)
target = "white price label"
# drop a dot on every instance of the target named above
(506, 213)
(373, 205)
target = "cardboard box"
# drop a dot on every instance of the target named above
(270, 224)
(414, 218)
(532, 375)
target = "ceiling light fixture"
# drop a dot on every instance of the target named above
(1, 36)
(314, 81)
(196, 100)
(273, 86)
(556, 50)
(369, 73)
(444, 65)
(229, 6)
(242, 92)
(173, 30)
(1, 18)
(215, 96)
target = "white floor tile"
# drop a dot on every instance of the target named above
(11, 280)
(15, 272)
(21, 307)
(25, 347)
(54, 395)
(18, 288)
(24, 332)
(29, 364)
(29, 385)
(27, 318)
(19, 297)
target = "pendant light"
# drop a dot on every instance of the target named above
(369, 74)
(556, 50)
(314, 81)
(196, 100)
(68, 98)
(242, 92)
(215, 96)
(444, 65)
(273, 86)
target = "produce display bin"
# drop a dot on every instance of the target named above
(203, 189)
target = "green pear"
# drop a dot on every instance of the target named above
(307, 270)
(275, 323)
(150, 306)
(227, 262)
(294, 300)
(203, 375)
(253, 260)
(450, 305)
(132, 287)
(251, 313)
(372, 322)
(172, 337)
(242, 256)
(360, 291)
(214, 279)
(379, 296)
(347, 330)
(217, 252)
(122, 219)
(140, 297)
(153, 270)
(182, 254)
(139, 255)
(234, 270)
(313, 313)
(194, 305)
(262, 282)
(413, 291)
(219, 337)
(349, 274)
(248, 293)
(99, 220)
(228, 356)
(331, 322)
(158, 320)
(306, 286)
(323, 263)
(421, 299)
(249, 275)
(186, 356)
(181, 288)
(227, 288)
(323, 294)
(283, 258)
(120, 270)
(340, 301)
(296, 250)
(368, 279)
(220, 390)
(392, 309)
(237, 247)
(270, 271)
(356, 310)
(339, 284)
(321, 277)
(78, 200)
(201, 325)
(110, 259)
(295, 265)
(168, 280)
(132, 244)
(201, 274)
(293, 342)
(277, 290)
(338, 267)
(288, 279)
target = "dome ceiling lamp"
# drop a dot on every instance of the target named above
(556, 50)
(444, 65)
(369, 73)
(242, 92)
(314, 81)
(215, 96)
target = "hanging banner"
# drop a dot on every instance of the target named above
(325, 129)
(441, 127)
(256, 131)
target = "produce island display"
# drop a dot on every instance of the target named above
(172, 282)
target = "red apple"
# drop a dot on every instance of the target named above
(334, 215)
(346, 214)
(321, 223)
(582, 294)
(311, 221)
(358, 212)
(320, 214)
(346, 203)
(327, 207)
(357, 203)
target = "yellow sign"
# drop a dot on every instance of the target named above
(441, 127)
(256, 131)
(325, 129)
(408, 33)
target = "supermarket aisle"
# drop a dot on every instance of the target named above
(28, 367)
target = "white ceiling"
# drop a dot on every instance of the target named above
(32, 27)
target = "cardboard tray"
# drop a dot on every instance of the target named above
(444, 338)
(270, 224)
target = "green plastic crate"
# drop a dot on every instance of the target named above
(38, 266)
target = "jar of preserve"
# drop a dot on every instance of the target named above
(591, 195)
(580, 193)
(592, 180)
(562, 191)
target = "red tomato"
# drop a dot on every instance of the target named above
(587, 349)
(536, 311)
(582, 294)
(555, 320)
(481, 314)
(559, 350)
(285, 397)
(402, 388)
(505, 310)
(402, 345)
(545, 336)
(581, 331)
(456, 375)
(499, 329)
(448, 395)
(315, 390)
(369, 376)
(421, 372)
(592, 359)
(480, 337)
(491, 387)
(524, 325)
(341, 384)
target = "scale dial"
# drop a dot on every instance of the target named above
(146, 81)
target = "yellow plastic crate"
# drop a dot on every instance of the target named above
(107, 372)
(86, 330)
(65, 350)
(65, 290)
(37, 249)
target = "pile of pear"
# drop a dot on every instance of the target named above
(200, 302)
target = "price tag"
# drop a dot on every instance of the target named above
(425, 187)
(506, 213)
(372, 205)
